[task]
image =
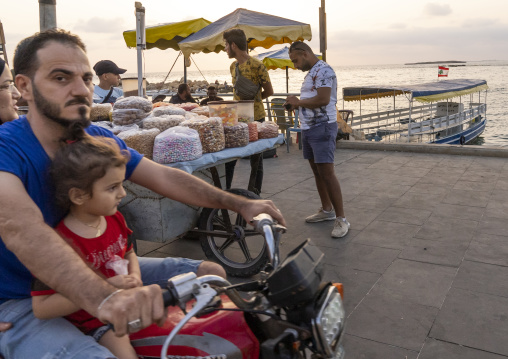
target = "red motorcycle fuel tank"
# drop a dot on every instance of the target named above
(221, 332)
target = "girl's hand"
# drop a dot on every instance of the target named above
(125, 281)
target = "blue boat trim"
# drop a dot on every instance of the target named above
(470, 134)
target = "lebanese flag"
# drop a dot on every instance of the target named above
(442, 72)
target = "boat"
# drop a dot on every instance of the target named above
(430, 116)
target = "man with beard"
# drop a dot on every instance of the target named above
(235, 43)
(212, 96)
(54, 76)
(318, 120)
(183, 95)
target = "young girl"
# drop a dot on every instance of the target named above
(88, 176)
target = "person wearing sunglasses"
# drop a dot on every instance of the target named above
(9, 94)
(318, 119)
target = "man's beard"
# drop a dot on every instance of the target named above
(74, 128)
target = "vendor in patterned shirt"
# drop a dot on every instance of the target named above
(252, 69)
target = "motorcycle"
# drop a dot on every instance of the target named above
(288, 313)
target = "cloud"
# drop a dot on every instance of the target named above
(434, 9)
(392, 46)
(480, 22)
(101, 25)
(397, 26)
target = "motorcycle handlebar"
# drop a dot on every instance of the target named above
(169, 298)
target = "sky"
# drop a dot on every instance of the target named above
(368, 32)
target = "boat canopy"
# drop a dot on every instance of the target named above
(277, 59)
(262, 30)
(427, 92)
(166, 36)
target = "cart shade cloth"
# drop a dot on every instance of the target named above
(427, 92)
(277, 59)
(262, 30)
(166, 36)
(228, 154)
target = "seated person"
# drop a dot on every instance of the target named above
(158, 98)
(109, 77)
(183, 95)
(212, 96)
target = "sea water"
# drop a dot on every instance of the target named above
(494, 72)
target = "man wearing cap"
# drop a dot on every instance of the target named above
(109, 77)
(212, 96)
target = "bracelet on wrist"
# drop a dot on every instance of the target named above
(107, 298)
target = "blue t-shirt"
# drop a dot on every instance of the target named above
(22, 155)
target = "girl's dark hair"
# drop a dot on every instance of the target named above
(237, 36)
(80, 164)
(25, 55)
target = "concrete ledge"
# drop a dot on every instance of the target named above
(468, 150)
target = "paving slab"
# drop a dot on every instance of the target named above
(497, 226)
(436, 349)
(386, 189)
(417, 200)
(357, 282)
(441, 177)
(473, 319)
(359, 348)
(488, 248)
(458, 211)
(386, 319)
(421, 283)
(361, 257)
(431, 188)
(474, 186)
(497, 209)
(404, 215)
(447, 229)
(467, 198)
(436, 252)
(372, 202)
(387, 234)
(483, 278)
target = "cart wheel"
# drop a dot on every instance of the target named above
(240, 250)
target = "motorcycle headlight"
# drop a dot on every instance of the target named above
(328, 325)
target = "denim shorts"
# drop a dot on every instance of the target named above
(57, 338)
(318, 142)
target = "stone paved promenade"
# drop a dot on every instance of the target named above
(425, 263)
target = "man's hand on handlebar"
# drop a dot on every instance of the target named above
(130, 305)
(125, 281)
(254, 207)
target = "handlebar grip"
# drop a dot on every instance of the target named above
(169, 298)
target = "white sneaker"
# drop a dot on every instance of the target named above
(321, 216)
(340, 228)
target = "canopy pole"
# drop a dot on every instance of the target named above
(184, 71)
(287, 80)
(47, 14)
(140, 43)
(322, 30)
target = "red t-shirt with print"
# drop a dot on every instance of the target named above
(97, 252)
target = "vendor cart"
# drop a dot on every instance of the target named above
(224, 235)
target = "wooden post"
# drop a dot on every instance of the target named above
(322, 30)
(47, 14)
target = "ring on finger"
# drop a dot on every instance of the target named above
(134, 325)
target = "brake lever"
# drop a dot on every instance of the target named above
(204, 296)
